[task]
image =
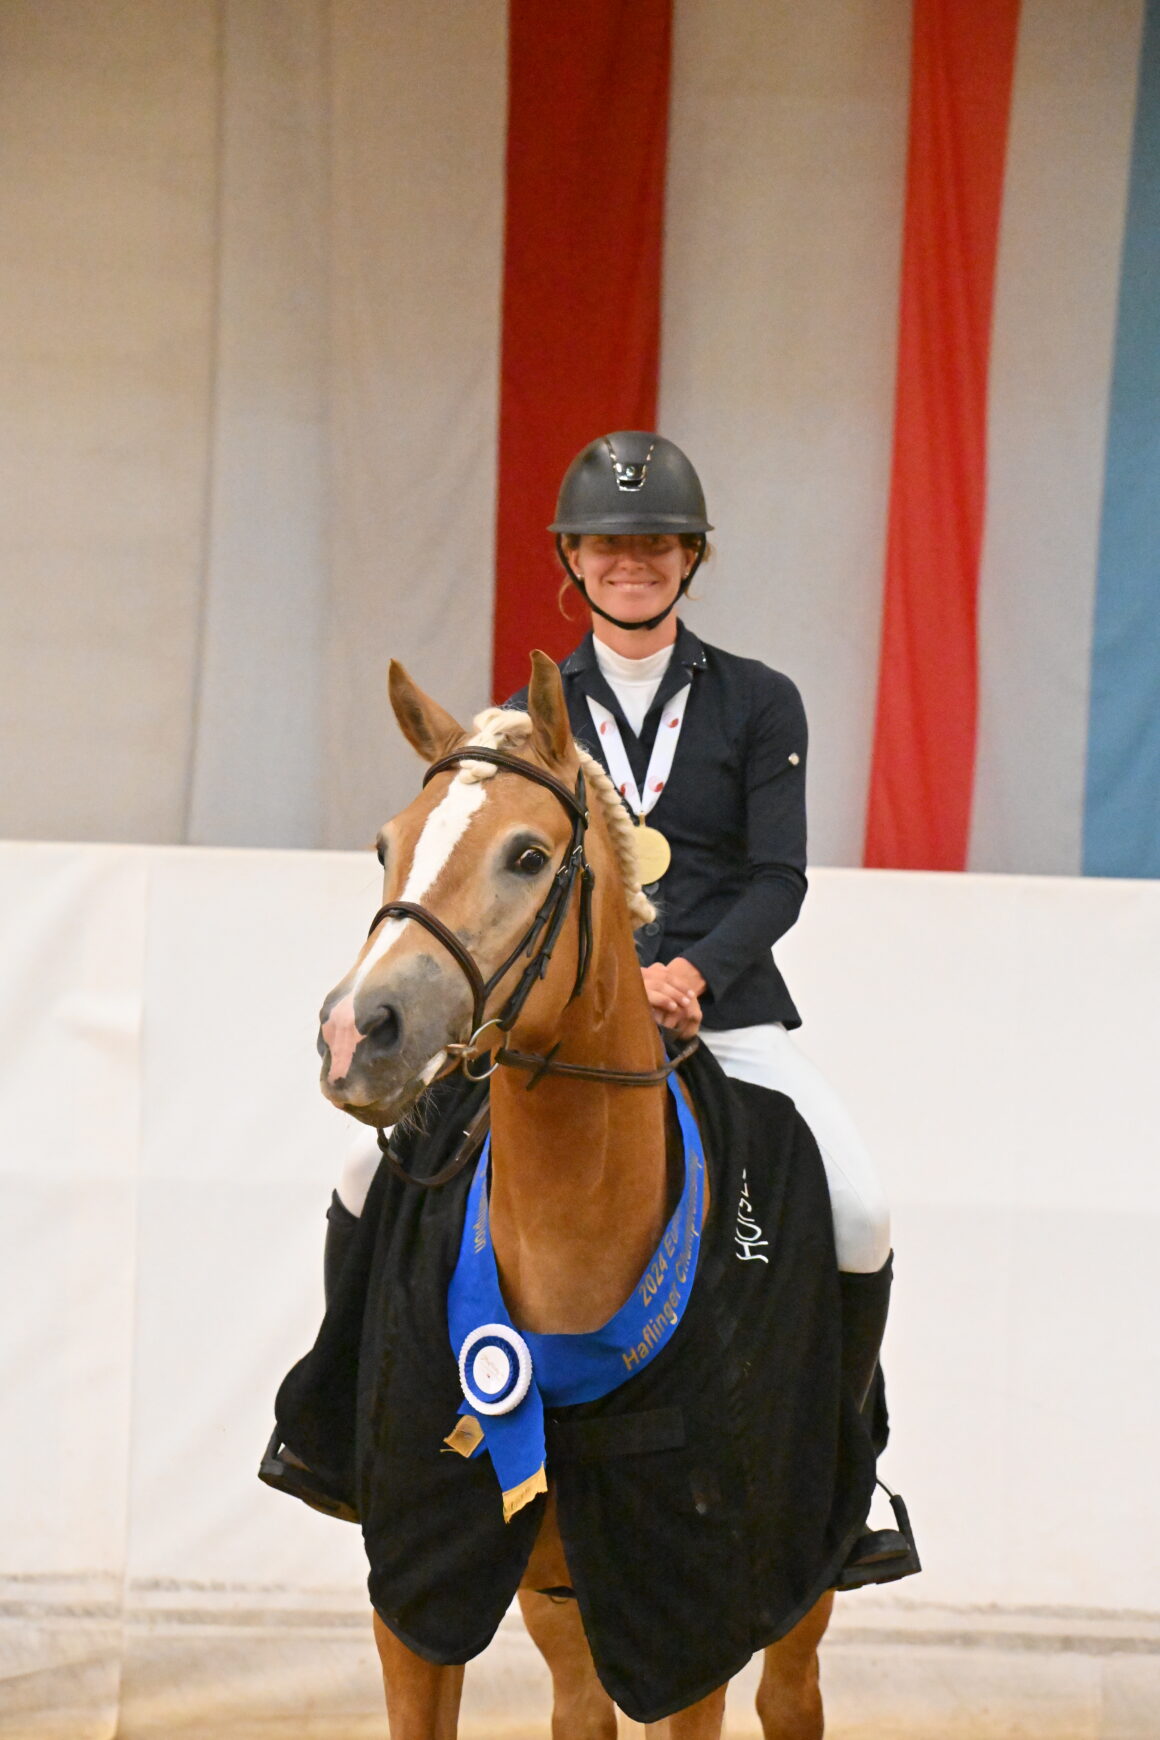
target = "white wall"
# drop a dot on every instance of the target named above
(997, 1037)
(167, 1161)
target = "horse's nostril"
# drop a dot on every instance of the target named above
(381, 1027)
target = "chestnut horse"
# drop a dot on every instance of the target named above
(479, 851)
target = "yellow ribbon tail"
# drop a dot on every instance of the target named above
(467, 1434)
(516, 1497)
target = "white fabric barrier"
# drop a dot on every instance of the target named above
(165, 1170)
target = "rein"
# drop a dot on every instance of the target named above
(537, 943)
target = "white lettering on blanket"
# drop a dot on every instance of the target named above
(748, 1235)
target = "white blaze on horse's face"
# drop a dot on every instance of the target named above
(442, 831)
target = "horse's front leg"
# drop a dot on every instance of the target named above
(581, 1708)
(701, 1721)
(422, 1699)
(789, 1698)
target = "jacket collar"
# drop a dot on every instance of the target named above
(686, 651)
(584, 677)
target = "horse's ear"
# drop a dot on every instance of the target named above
(429, 728)
(549, 712)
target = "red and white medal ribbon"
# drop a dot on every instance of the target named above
(660, 763)
(653, 852)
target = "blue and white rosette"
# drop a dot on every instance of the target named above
(495, 1369)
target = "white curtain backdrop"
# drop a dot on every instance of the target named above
(259, 709)
(249, 330)
(1055, 315)
(249, 353)
(418, 131)
(108, 176)
(252, 312)
(782, 260)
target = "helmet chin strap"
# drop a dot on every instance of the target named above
(616, 621)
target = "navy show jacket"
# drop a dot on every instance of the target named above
(733, 810)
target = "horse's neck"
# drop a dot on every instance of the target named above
(578, 1167)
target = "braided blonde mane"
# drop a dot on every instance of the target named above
(504, 728)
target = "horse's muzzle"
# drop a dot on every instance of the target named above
(375, 1041)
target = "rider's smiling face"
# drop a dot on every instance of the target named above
(633, 577)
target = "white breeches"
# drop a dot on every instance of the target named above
(359, 1167)
(768, 1057)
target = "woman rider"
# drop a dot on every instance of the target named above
(708, 750)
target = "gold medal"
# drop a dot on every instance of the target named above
(653, 852)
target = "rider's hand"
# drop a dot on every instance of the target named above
(675, 1006)
(684, 975)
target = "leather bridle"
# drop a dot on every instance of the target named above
(539, 940)
(537, 943)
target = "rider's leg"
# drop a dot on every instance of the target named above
(865, 1303)
(280, 1467)
(346, 1206)
(340, 1229)
(768, 1057)
(358, 1170)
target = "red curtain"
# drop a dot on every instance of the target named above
(924, 746)
(587, 135)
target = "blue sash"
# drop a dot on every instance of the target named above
(508, 1374)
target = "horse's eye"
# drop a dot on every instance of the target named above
(530, 861)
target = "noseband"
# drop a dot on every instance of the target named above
(537, 943)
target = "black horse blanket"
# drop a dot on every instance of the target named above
(705, 1505)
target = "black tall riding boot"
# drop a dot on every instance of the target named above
(340, 1230)
(280, 1467)
(878, 1555)
(865, 1304)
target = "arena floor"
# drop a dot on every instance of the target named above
(890, 1672)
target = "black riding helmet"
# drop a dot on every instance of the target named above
(630, 482)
